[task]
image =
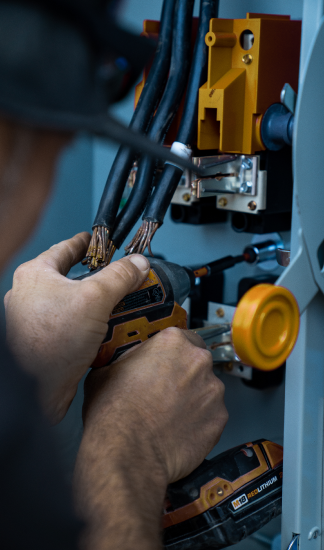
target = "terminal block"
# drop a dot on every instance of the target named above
(256, 189)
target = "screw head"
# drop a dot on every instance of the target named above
(252, 205)
(222, 202)
(247, 163)
(246, 187)
(186, 197)
(247, 59)
(220, 491)
(220, 312)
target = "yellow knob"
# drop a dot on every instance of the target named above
(265, 326)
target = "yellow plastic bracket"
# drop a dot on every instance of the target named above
(242, 83)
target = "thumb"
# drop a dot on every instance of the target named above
(64, 255)
(121, 278)
(6, 299)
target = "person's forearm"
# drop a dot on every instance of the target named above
(119, 493)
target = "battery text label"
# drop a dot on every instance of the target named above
(262, 487)
(244, 499)
(240, 501)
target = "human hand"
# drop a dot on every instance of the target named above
(55, 325)
(150, 418)
(161, 397)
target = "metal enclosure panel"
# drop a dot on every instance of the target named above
(303, 435)
(303, 431)
(312, 13)
(308, 161)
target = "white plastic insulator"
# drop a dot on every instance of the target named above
(181, 150)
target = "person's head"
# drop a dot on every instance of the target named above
(62, 62)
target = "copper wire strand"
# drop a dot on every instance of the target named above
(110, 252)
(135, 243)
(142, 238)
(105, 235)
(149, 236)
(103, 238)
(97, 250)
(155, 228)
(136, 240)
(99, 246)
(142, 243)
(129, 249)
(93, 240)
(101, 249)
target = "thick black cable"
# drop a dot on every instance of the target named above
(171, 175)
(145, 108)
(180, 61)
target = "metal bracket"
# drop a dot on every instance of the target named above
(288, 98)
(235, 180)
(239, 202)
(228, 174)
(219, 342)
(298, 277)
(216, 333)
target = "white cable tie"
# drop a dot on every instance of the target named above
(181, 150)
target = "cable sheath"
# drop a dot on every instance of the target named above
(143, 113)
(175, 87)
(164, 191)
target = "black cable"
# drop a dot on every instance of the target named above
(145, 108)
(180, 61)
(171, 175)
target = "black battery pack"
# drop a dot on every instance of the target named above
(225, 499)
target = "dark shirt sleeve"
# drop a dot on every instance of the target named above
(36, 510)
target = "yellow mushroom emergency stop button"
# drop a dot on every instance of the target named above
(265, 326)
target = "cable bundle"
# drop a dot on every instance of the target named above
(169, 72)
(173, 93)
(98, 251)
(161, 197)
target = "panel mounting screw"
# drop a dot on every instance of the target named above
(186, 197)
(252, 205)
(220, 312)
(222, 202)
(194, 188)
(247, 59)
(220, 491)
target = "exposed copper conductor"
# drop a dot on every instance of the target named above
(99, 250)
(142, 238)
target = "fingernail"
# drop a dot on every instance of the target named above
(141, 262)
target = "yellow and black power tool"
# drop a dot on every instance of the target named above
(234, 494)
(263, 331)
(155, 306)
